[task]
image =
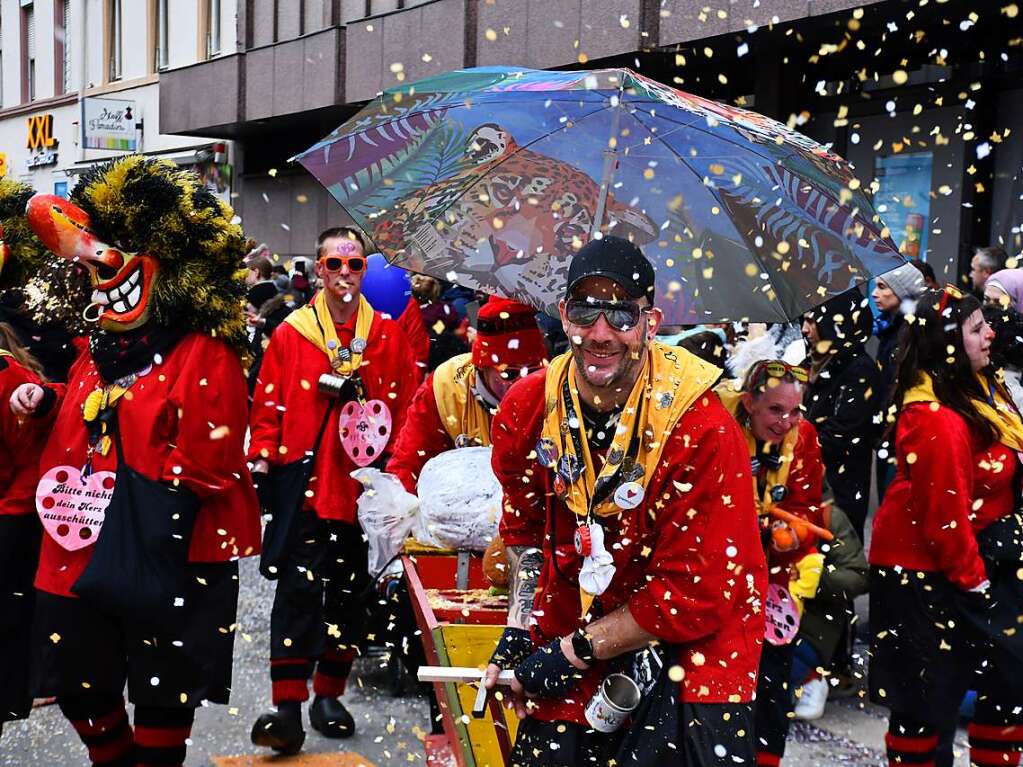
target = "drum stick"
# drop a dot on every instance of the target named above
(792, 519)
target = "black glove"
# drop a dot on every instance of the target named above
(514, 646)
(547, 673)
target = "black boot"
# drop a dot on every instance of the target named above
(330, 718)
(280, 730)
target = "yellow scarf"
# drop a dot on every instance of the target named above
(1002, 415)
(459, 410)
(317, 327)
(5, 353)
(671, 381)
(731, 398)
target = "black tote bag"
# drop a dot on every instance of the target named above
(281, 493)
(652, 734)
(138, 569)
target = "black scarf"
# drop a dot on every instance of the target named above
(120, 354)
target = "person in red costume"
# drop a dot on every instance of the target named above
(337, 379)
(161, 386)
(455, 405)
(947, 545)
(21, 441)
(788, 476)
(629, 507)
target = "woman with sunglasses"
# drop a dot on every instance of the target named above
(787, 475)
(945, 592)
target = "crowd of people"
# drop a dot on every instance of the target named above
(685, 508)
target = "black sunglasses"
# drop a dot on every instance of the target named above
(620, 315)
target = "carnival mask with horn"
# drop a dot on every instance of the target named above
(122, 282)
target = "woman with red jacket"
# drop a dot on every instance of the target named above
(21, 440)
(788, 475)
(945, 596)
(148, 431)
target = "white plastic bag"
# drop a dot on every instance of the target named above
(387, 512)
(459, 500)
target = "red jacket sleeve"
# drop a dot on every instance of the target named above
(524, 517)
(707, 555)
(210, 399)
(265, 417)
(935, 450)
(422, 436)
(411, 321)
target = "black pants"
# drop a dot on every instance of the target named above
(711, 735)
(19, 554)
(76, 647)
(319, 613)
(774, 699)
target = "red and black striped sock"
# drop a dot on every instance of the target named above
(765, 759)
(289, 678)
(995, 745)
(160, 735)
(910, 743)
(102, 724)
(332, 672)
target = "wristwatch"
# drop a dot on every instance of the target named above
(582, 646)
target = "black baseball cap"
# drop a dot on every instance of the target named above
(618, 260)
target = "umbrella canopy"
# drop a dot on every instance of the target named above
(494, 177)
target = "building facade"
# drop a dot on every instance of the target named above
(923, 97)
(80, 81)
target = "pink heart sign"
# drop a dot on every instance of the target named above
(364, 430)
(72, 507)
(781, 614)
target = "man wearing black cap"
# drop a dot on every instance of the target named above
(630, 522)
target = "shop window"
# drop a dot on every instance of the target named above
(114, 44)
(903, 199)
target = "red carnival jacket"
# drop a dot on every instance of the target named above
(946, 489)
(184, 421)
(21, 442)
(422, 437)
(690, 565)
(803, 497)
(287, 407)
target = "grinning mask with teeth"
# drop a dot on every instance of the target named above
(159, 248)
(122, 283)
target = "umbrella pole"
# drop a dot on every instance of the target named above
(610, 165)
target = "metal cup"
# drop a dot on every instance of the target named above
(617, 697)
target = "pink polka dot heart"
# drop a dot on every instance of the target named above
(364, 430)
(72, 507)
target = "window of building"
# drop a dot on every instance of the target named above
(209, 28)
(161, 58)
(114, 40)
(28, 52)
(61, 46)
(65, 64)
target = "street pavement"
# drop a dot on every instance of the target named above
(389, 728)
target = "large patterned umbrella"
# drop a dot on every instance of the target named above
(494, 177)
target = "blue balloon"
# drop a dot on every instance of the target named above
(386, 287)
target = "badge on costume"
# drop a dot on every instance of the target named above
(631, 470)
(546, 452)
(72, 506)
(629, 495)
(358, 345)
(778, 493)
(615, 456)
(560, 486)
(365, 430)
(570, 468)
(583, 540)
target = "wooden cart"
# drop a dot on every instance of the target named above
(460, 624)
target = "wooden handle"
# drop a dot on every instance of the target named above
(460, 675)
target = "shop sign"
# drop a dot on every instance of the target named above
(40, 132)
(109, 124)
